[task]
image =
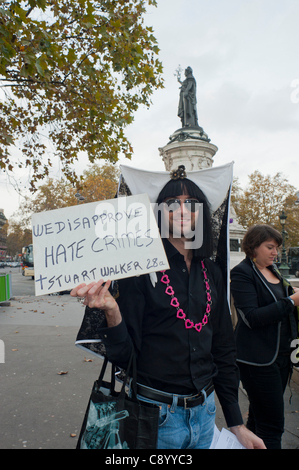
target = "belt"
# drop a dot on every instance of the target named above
(187, 402)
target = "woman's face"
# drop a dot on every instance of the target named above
(266, 253)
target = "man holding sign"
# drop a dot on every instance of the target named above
(177, 319)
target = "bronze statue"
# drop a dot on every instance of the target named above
(187, 105)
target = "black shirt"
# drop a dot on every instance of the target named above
(170, 357)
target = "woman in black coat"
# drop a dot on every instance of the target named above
(267, 324)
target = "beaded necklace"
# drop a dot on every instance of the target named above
(175, 303)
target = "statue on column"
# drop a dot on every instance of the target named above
(187, 105)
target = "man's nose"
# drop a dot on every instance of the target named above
(183, 208)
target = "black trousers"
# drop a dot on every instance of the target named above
(265, 386)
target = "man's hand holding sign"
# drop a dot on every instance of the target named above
(97, 295)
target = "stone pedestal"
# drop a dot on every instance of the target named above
(189, 146)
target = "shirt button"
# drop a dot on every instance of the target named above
(184, 270)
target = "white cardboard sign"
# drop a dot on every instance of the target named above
(111, 239)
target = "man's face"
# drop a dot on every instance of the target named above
(183, 214)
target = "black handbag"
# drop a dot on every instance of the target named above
(114, 420)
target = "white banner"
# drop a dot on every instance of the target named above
(111, 239)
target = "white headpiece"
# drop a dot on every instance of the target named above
(214, 182)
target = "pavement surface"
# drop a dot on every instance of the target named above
(46, 381)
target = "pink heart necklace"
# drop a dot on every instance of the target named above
(180, 312)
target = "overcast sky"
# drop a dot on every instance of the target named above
(244, 56)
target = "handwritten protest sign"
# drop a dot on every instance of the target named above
(112, 239)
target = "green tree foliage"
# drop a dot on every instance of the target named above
(72, 75)
(99, 182)
(263, 200)
(17, 238)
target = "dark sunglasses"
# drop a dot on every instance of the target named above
(192, 205)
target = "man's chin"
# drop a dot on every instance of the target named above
(186, 234)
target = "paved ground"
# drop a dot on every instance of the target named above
(41, 409)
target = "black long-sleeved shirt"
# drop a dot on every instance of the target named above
(170, 357)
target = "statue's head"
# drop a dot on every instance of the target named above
(188, 71)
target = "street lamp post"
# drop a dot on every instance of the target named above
(283, 268)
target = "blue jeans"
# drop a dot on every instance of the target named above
(185, 429)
